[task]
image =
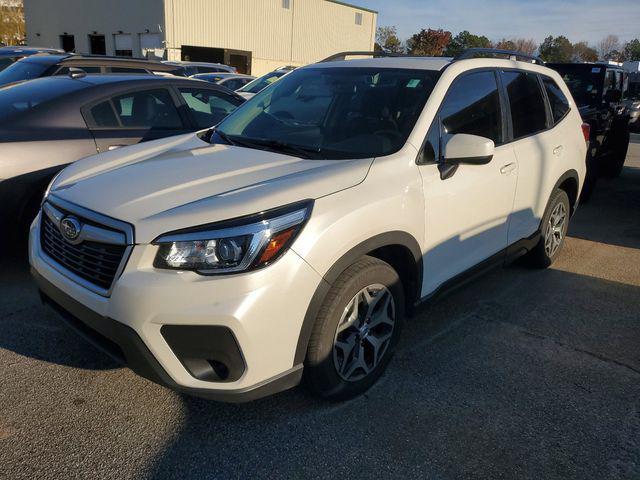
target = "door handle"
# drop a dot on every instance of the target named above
(557, 150)
(508, 168)
(114, 147)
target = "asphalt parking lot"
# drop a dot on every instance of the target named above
(522, 374)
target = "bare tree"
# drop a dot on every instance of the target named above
(607, 46)
(525, 45)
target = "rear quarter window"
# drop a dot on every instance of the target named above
(557, 100)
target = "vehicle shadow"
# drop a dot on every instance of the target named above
(488, 371)
(612, 216)
(43, 336)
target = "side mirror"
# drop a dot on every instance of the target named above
(463, 148)
(613, 95)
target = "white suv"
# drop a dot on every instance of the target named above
(287, 243)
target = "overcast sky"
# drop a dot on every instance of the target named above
(588, 20)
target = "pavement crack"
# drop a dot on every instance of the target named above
(539, 336)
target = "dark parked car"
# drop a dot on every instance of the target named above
(232, 81)
(37, 66)
(599, 90)
(12, 54)
(47, 123)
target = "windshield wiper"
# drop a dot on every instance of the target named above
(220, 133)
(278, 146)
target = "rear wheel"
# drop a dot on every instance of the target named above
(554, 230)
(356, 330)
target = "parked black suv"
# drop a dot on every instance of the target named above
(599, 90)
(37, 66)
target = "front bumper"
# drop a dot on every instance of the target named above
(157, 322)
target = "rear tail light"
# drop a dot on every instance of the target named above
(586, 131)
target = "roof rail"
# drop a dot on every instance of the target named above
(343, 55)
(491, 52)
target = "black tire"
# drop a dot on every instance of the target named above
(540, 256)
(321, 373)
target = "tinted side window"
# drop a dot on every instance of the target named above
(472, 106)
(103, 116)
(127, 70)
(528, 114)
(208, 107)
(88, 70)
(142, 109)
(233, 84)
(558, 102)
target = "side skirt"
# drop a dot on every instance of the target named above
(500, 259)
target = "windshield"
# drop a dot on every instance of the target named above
(338, 112)
(584, 81)
(26, 96)
(260, 83)
(22, 70)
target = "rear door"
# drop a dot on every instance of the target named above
(536, 147)
(135, 116)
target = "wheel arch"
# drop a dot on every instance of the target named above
(569, 182)
(400, 249)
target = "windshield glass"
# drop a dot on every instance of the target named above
(262, 82)
(22, 70)
(26, 96)
(334, 112)
(584, 81)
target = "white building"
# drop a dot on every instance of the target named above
(255, 36)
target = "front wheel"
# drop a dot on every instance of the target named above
(356, 330)
(554, 230)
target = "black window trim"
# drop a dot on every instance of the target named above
(437, 118)
(89, 120)
(553, 122)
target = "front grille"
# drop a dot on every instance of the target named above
(97, 263)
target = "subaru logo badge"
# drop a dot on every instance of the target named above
(70, 228)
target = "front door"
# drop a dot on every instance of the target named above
(467, 213)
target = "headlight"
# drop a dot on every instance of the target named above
(234, 246)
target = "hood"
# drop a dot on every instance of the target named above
(183, 182)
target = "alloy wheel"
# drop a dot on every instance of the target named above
(364, 332)
(555, 230)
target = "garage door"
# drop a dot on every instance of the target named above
(151, 44)
(124, 45)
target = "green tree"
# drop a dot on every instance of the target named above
(465, 40)
(582, 52)
(632, 50)
(556, 49)
(387, 39)
(428, 42)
